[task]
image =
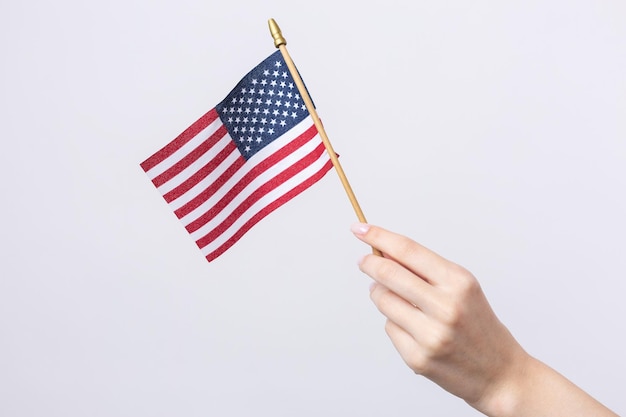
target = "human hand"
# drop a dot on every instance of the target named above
(439, 320)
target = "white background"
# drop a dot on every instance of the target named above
(492, 132)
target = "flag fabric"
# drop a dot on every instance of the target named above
(250, 154)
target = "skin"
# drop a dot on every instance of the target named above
(441, 323)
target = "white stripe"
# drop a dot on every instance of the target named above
(274, 195)
(184, 150)
(257, 182)
(195, 166)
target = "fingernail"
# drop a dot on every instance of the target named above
(372, 286)
(360, 228)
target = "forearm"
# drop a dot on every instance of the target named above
(536, 390)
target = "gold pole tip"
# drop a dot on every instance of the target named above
(276, 33)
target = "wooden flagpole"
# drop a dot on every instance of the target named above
(281, 43)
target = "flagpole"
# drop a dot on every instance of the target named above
(280, 43)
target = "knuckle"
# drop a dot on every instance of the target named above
(463, 275)
(451, 315)
(440, 343)
(454, 312)
(465, 284)
(418, 363)
(469, 289)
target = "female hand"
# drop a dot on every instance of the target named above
(439, 320)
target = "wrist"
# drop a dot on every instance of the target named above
(505, 395)
(530, 388)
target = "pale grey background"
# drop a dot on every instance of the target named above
(493, 132)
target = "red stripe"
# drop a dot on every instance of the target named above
(267, 210)
(180, 140)
(190, 158)
(263, 166)
(201, 174)
(272, 184)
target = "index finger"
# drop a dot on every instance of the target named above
(420, 260)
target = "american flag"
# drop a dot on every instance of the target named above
(250, 154)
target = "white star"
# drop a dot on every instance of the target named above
(234, 100)
(254, 81)
(291, 86)
(258, 139)
(243, 129)
(293, 114)
(270, 132)
(252, 129)
(251, 91)
(303, 107)
(230, 120)
(285, 113)
(237, 119)
(241, 140)
(259, 101)
(256, 110)
(278, 64)
(266, 73)
(254, 119)
(261, 92)
(278, 103)
(263, 121)
(270, 93)
(249, 139)
(247, 110)
(236, 129)
(239, 110)
(247, 148)
(287, 104)
(283, 84)
(280, 93)
(268, 102)
(261, 130)
(243, 91)
(282, 123)
(275, 73)
(266, 111)
(241, 99)
(276, 112)
(289, 94)
(273, 122)
(245, 120)
(273, 83)
(284, 74)
(249, 100)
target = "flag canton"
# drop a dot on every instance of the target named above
(264, 105)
